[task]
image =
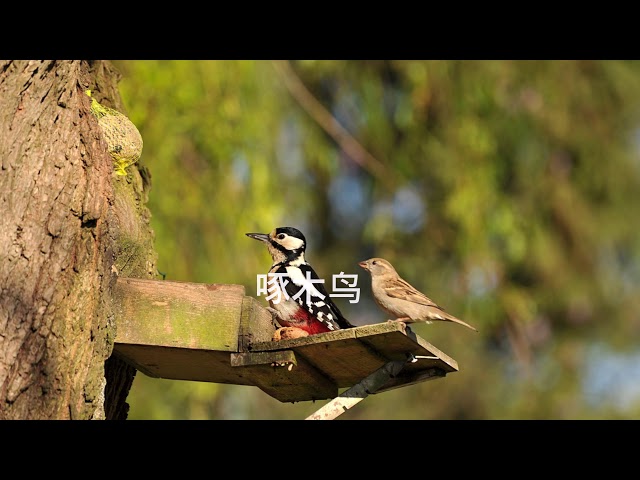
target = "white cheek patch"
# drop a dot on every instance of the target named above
(291, 243)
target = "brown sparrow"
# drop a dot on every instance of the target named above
(397, 297)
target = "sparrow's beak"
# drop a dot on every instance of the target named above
(364, 265)
(263, 237)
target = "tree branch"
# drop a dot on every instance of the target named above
(328, 122)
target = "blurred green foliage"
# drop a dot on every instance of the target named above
(508, 194)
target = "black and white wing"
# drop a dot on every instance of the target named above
(324, 309)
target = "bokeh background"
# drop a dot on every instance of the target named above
(507, 191)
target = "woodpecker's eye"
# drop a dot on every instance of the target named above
(281, 236)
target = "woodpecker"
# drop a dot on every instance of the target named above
(397, 297)
(316, 313)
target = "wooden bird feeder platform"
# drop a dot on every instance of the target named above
(216, 333)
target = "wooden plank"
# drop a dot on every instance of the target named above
(281, 358)
(182, 364)
(347, 356)
(429, 362)
(178, 314)
(347, 333)
(256, 324)
(285, 376)
(338, 354)
(395, 342)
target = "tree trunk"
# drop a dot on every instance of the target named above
(68, 227)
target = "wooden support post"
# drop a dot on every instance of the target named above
(359, 391)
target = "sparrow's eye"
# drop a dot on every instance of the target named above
(375, 263)
(281, 236)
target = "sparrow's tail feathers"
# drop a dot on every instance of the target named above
(451, 318)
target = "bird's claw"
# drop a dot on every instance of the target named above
(289, 365)
(397, 321)
(402, 323)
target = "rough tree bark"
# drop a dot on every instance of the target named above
(68, 227)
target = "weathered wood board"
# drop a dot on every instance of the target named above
(185, 331)
(348, 356)
(284, 376)
(179, 314)
(183, 363)
(215, 333)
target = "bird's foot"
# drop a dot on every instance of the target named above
(288, 365)
(285, 333)
(402, 321)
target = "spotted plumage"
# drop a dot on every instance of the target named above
(316, 313)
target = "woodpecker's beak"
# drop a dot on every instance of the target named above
(364, 265)
(263, 237)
